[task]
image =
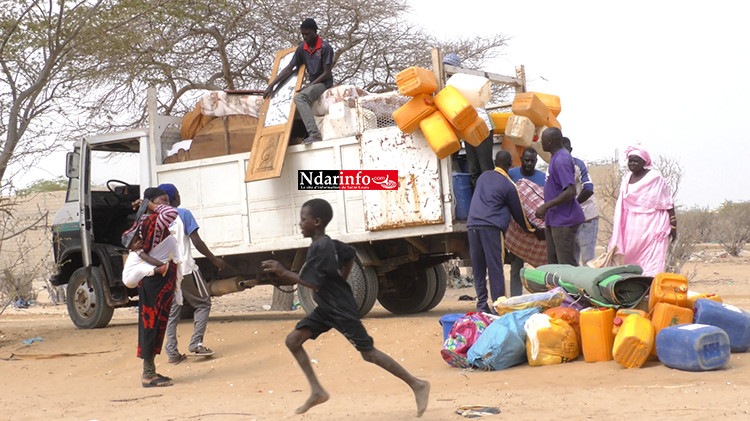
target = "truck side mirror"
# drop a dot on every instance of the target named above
(72, 162)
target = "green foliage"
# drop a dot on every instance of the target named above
(40, 186)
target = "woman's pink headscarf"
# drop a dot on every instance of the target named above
(640, 152)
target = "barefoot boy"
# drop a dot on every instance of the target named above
(325, 271)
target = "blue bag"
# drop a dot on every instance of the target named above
(503, 343)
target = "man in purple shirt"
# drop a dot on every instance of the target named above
(561, 211)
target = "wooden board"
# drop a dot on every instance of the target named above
(274, 123)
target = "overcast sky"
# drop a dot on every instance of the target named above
(674, 75)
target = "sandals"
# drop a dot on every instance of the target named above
(178, 359)
(159, 381)
(202, 351)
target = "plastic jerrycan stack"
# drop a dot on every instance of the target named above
(665, 315)
(622, 313)
(596, 334)
(520, 130)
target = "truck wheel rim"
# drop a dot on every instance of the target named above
(84, 300)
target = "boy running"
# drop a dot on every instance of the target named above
(325, 271)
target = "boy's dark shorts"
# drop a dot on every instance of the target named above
(351, 327)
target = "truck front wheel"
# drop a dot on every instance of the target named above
(87, 306)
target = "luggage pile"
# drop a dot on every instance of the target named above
(532, 112)
(680, 328)
(446, 117)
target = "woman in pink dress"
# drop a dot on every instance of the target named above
(644, 221)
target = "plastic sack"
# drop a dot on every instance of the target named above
(549, 341)
(503, 343)
(570, 316)
(462, 336)
(544, 300)
(347, 94)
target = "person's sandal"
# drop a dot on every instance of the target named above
(157, 382)
(178, 359)
(202, 351)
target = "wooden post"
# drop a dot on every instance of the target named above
(226, 135)
(437, 67)
(521, 74)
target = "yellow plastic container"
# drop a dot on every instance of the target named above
(692, 296)
(666, 315)
(476, 132)
(416, 80)
(529, 105)
(633, 342)
(408, 116)
(515, 152)
(668, 288)
(551, 101)
(455, 107)
(596, 334)
(622, 314)
(500, 120)
(440, 135)
(520, 130)
(552, 121)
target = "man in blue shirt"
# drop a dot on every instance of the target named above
(494, 202)
(585, 245)
(317, 56)
(561, 212)
(194, 289)
(526, 170)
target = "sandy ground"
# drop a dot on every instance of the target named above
(94, 374)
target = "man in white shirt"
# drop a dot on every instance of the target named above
(193, 290)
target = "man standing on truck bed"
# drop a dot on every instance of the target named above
(193, 289)
(317, 56)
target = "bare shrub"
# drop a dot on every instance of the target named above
(732, 226)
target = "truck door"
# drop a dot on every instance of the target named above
(84, 203)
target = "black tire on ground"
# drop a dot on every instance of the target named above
(412, 289)
(364, 283)
(87, 306)
(442, 279)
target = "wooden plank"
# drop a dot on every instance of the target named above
(494, 77)
(274, 123)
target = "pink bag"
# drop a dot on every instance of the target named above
(464, 333)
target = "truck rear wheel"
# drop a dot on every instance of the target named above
(411, 289)
(442, 279)
(364, 283)
(87, 306)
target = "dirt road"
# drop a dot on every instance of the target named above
(94, 374)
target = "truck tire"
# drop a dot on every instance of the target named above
(412, 289)
(87, 307)
(364, 283)
(442, 279)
